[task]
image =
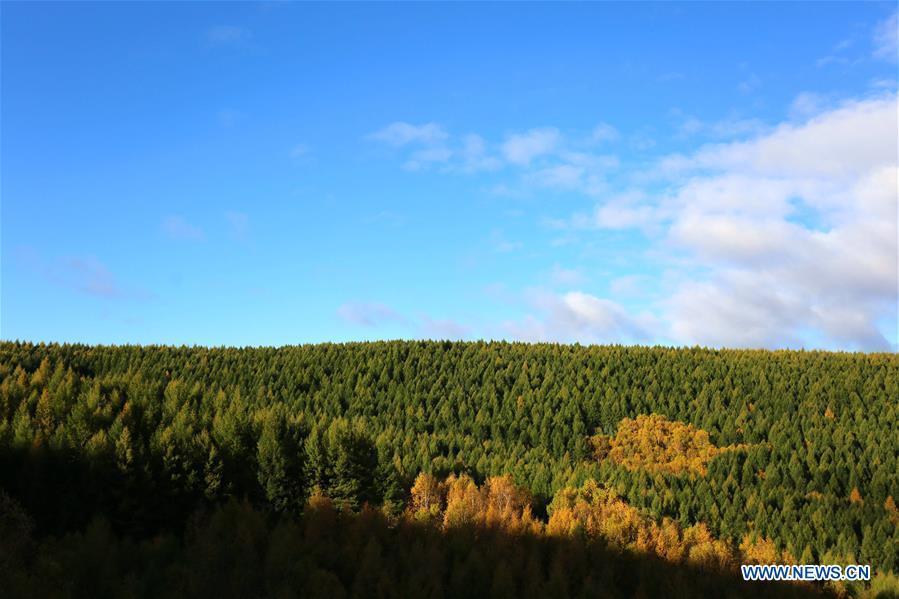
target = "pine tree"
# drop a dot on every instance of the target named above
(280, 459)
(355, 467)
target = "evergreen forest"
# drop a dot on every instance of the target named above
(443, 469)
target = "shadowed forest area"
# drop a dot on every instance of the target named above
(238, 551)
(429, 469)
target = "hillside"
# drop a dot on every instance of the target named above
(701, 459)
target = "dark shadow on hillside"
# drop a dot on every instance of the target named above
(147, 543)
(62, 490)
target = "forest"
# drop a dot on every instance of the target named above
(443, 469)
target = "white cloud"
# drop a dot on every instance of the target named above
(726, 128)
(831, 59)
(842, 45)
(789, 236)
(581, 317)
(368, 314)
(623, 216)
(375, 315)
(807, 104)
(501, 244)
(401, 134)
(837, 55)
(83, 274)
(642, 141)
(443, 329)
(475, 156)
(595, 162)
(560, 176)
(628, 285)
(786, 236)
(622, 211)
(757, 309)
(846, 141)
(735, 313)
(505, 191)
(750, 84)
(431, 145)
(885, 38)
(425, 157)
(541, 157)
(573, 171)
(566, 276)
(691, 126)
(89, 276)
(604, 132)
(176, 227)
(883, 83)
(522, 148)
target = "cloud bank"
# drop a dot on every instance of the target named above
(794, 232)
(578, 316)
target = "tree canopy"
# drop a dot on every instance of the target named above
(784, 453)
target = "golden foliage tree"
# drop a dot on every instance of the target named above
(426, 497)
(656, 444)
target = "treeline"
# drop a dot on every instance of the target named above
(145, 435)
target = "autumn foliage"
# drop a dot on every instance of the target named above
(596, 512)
(764, 452)
(656, 444)
(590, 512)
(459, 501)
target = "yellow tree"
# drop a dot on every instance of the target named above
(426, 496)
(755, 550)
(508, 505)
(465, 503)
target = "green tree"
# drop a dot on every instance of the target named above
(280, 460)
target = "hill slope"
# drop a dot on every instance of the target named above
(796, 447)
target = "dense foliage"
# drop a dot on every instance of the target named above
(801, 447)
(655, 444)
(238, 551)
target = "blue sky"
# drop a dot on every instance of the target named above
(268, 174)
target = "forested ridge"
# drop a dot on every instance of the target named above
(791, 451)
